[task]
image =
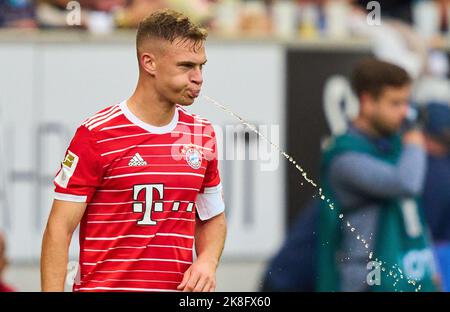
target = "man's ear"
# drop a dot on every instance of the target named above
(363, 97)
(148, 63)
(366, 99)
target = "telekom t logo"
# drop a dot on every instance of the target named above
(138, 207)
(152, 205)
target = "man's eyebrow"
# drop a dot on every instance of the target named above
(190, 63)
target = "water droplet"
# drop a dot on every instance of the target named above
(341, 216)
(352, 229)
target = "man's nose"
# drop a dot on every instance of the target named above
(197, 76)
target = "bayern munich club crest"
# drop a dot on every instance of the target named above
(193, 156)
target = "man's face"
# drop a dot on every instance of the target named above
(178, 74)
(387, 112)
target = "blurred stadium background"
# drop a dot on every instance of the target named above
(282, 64)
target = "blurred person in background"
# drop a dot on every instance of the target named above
(434, 85)
(415, 20)
(396, 9)
(432, 96)
(124, 13)
(3, 264)
(374, 176)
(436, 195)
(444, 6)
(17, 14)
(95, 5)
(403, 10)
(199, 11)
(392, 40)
(120, 13)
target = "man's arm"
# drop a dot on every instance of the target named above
(64, 218)
(364, 174)
(209, 243)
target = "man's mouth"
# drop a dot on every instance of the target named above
(193, 93)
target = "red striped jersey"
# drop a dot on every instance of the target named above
(144, 187)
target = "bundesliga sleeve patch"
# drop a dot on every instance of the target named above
(67, 169)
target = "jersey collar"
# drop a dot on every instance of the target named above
(150, 128)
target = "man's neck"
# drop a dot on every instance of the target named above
(365, 127)
(149, 107)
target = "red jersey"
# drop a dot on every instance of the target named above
(144, 187)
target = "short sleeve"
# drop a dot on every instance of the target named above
(210, 201)
(212, 176)
(80, 172)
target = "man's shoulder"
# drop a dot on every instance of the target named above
(104, 119)
(341, 146)
(187, 117)
(351, 142)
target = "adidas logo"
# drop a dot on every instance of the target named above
(137, 161)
